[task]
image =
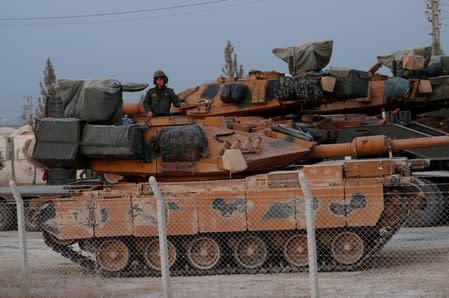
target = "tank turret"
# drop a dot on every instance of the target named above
(179, 148)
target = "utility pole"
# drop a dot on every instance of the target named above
(433, 16)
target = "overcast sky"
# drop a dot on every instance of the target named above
(129, 40)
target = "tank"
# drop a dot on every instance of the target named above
(227, 163)
(270, 99)
(415, 105)
(256, 222)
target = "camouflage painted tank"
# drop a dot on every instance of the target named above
(256, 223)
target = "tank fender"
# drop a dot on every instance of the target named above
(415, 186)
(43, 215)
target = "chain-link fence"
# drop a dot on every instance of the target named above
(235, 238)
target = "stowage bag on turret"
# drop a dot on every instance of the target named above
(395, 89)
(94, 101)
(394, 61)
(350, 83)
(180, 143)
(234, 93)
(112, 142)
(57, 143)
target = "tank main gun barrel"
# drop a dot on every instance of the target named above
(372, 145)
(133, 109)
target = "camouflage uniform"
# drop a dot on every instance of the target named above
(159, 101)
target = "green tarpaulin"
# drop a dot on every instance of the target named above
(394, 60)
(310, 56)
(95, 101)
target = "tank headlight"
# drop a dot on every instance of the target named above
(395, 179)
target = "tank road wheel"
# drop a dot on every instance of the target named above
(152, 255)
(112, 178)
(250, 252)
(112, 255)
(435, 207)
(295, 251)
(347, 248)
(203, 253)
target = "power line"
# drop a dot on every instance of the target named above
(127, 12)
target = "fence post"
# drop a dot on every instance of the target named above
(311, 241)
(12, 156)
(22, 240)
(162, 236)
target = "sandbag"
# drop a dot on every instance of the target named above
(112, 142)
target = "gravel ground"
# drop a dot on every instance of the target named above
(415, 263)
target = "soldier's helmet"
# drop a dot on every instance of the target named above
(160, 74)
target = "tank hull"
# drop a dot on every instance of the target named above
(353, 202)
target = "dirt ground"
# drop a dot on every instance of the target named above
(415, 263)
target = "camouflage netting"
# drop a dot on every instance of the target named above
(310, 56)
(180, 143)
(295, 88)
(94, 101)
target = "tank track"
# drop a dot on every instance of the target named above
(273, 264)
(140, 270)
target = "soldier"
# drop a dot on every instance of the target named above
(158, 100)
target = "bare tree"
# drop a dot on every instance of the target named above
(231, 67)
(39, 112)
(27, 113)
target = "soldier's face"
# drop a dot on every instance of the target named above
(160, 82)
